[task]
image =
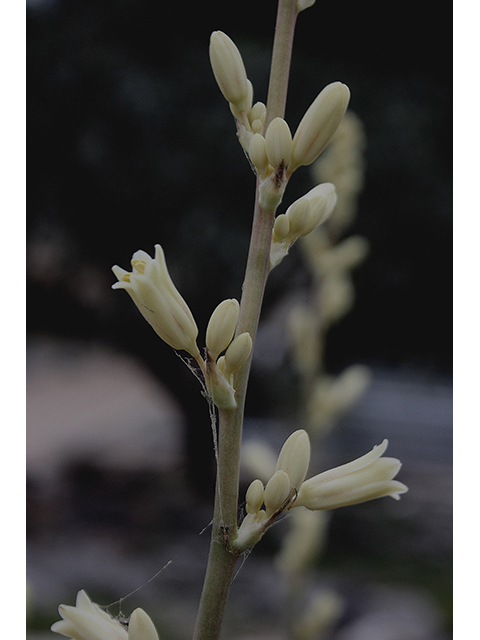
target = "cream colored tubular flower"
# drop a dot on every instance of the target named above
(152, 290)
(229, 71)
(366, 478)
(87, 621)
(319, 124)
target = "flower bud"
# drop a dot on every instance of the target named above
(258, 112)
(221, 327)
(276, 492)
(238, 352)
(258, 154)
(257, 126)
(278, 141)
(294, 458)
(321, 199)
(319, 124)
(152, 290)
(304, 4)
(140, 626)
(298, 215)
(229, 71)
(281, 227)
(254, 496)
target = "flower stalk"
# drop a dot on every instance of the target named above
(225, 366)
(222, 558)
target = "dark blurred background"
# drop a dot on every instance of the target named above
(132, 144)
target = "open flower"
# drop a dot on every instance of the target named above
(366, 478)
(151, 288)
(87, 621)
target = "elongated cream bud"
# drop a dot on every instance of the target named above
(140, 626)
(229, 71)
(254, 496)
(298, 215)
(257, 126)
(294, 457)
(279, 143)
(258, 112)
(281, 227)
(258, 154)
(238, 352)
(276, 491)
(319, 124)
(221, 327)
(321, 200)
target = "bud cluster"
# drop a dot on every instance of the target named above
(274, 153)
(158, 300)
(232, 80)
(366, 478)
(265, 504)
(300, 219)
(220, 368)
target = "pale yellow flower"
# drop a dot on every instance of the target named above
(151, 288)
(87, 621)
(366, 478)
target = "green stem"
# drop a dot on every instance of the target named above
(221, 561)
(282, 54)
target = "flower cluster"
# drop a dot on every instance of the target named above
(276, 147)
(370, 476)
(273, 151)
(87, 621)
(158, 300)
